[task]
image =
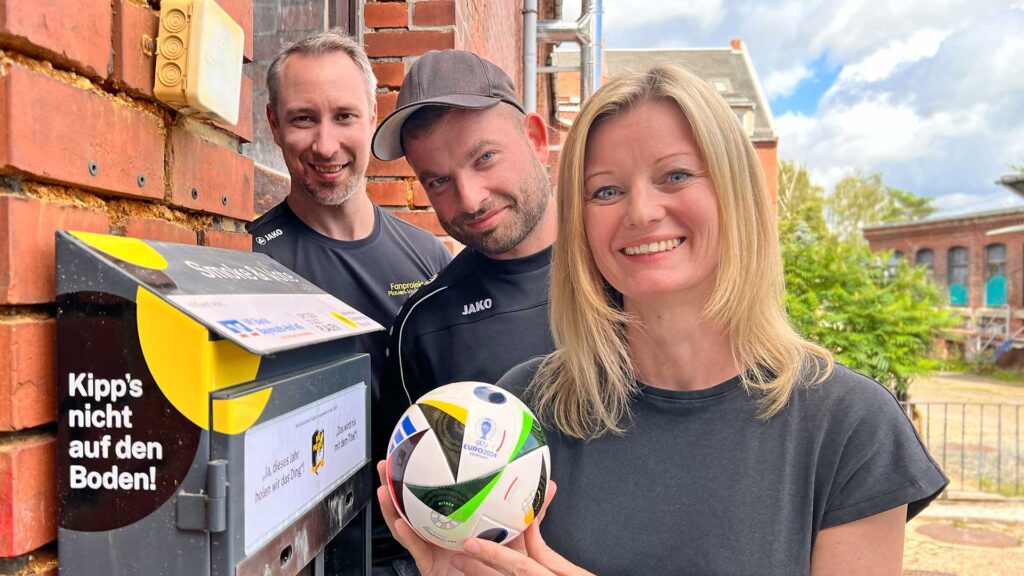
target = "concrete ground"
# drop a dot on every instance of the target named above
(966, 538)
(966, 533)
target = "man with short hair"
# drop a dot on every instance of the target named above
(480, 157)
(322, 113)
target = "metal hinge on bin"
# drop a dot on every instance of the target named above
(206, 512)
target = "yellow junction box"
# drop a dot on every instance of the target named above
(199, 59)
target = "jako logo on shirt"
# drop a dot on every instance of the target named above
(475, 307)
(261, 240)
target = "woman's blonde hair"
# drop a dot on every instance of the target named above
(585, 387)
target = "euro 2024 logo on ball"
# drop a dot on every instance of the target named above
(486, 431)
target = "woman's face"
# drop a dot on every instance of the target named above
(651, 210)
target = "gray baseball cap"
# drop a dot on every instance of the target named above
(443, 78)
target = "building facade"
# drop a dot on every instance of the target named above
(978, 259)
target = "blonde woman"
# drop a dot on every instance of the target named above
(692, 430)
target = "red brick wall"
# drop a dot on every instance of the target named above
(493, 30)
(83, 145)
(768, 154)
(970, 232)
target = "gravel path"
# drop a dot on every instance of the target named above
(959, 535)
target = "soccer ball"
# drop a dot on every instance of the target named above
(468, 460)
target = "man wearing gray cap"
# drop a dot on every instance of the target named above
(480, 158)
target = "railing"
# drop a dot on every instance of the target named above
(978, 445)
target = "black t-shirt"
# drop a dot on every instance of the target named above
(374, 275)
(476, 321)
(699, 485)
(479, 318)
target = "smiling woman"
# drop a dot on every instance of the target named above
(652, 226)
(691, 429)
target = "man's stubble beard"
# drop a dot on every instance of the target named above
(528, 211)
(334, 195)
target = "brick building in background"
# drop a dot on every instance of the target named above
(978, 259)
(84, 145)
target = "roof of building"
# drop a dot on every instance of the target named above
(1014, 182)
(948, 219)
(728, 69)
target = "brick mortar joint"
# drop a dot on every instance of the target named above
(410, 193)
(434, 28)
(73, 79)
(13, 439)
(28, 187)
(207, 132)
(220, 224)
(118, 209)
(27, 313)
(121, 210)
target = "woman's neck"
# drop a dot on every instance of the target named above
(672, 347)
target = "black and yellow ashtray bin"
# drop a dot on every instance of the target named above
(213, 416)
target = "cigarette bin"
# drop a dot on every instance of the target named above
(213, 416)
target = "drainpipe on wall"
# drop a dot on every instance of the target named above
(530, 55)
(585, 31)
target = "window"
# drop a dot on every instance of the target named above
(995, 275)
(745, 116)
(925, 257)
(957, 276)
(892, 267)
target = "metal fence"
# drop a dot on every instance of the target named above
(978, 445)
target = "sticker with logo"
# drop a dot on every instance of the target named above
(478, 306)
(317, 451)
(262, 240)
(239, 327)
(483, 446)
(406, 288)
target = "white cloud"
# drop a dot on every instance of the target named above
(881, 64)
(783, 82)
(633, 14)
(929, 92)
(865, 132)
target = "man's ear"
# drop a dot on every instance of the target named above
(275, 128)
(537, 134)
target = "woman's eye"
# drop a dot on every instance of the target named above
(606, 193)
(679, 176)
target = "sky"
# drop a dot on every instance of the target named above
(928, 92)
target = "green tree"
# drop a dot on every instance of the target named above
(842, 296)
(860, 200)
(801, 202)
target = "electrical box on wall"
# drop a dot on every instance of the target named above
(199, 59)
